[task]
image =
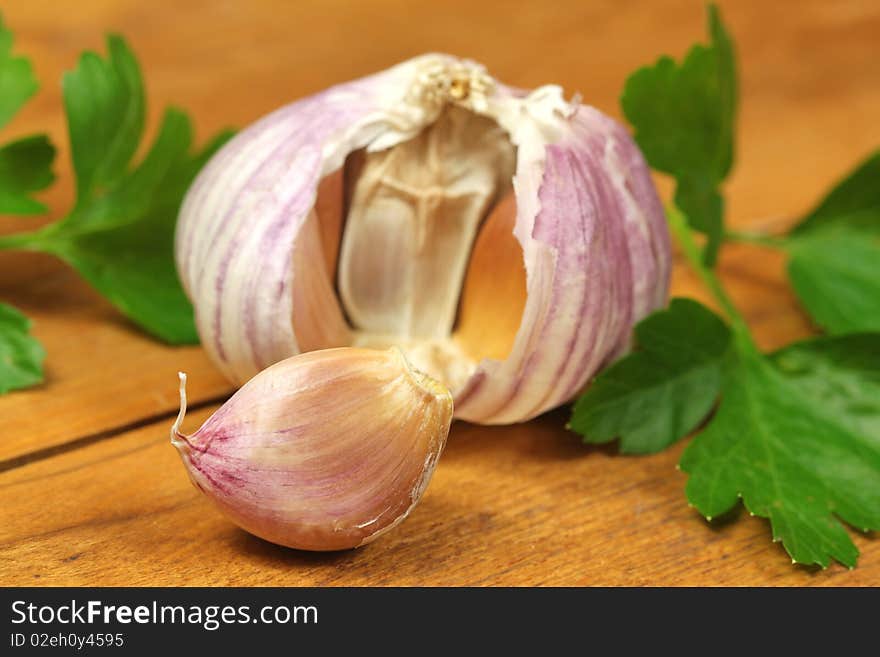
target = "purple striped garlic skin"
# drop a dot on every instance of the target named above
(595, 247)
(598, 255)
(326, 450)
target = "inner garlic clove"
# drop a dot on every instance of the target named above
(413, 217)
(412, 214)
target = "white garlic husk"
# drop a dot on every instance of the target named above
(322, 451)
(507, 241)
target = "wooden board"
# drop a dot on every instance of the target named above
(92, 493)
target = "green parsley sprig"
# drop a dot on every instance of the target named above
(119, 235)
(796, 433)
(25, 168)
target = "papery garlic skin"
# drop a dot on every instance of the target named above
(595, 246)
(323, 451)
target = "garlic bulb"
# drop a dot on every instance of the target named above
(323, 451)
(507, 241)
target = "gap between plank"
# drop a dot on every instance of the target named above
(106, 434)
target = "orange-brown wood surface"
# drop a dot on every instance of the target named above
(92, 493)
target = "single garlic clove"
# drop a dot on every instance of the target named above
(322, 451)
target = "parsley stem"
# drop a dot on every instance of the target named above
(682, 232)
(21, 241)
(760, 239)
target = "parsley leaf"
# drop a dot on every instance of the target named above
(21, 356)
(836, 275)
(17, 81)
(25, 167)
(25, 164)
(834, 253)
(106, 106)
(123, 241)
(684, 116)
(656, 395)
(795, 436)
(854, 201)
(844, 371)
(120, 233)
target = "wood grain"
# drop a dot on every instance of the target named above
(508, 505)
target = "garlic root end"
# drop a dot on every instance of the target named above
(177, 438)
